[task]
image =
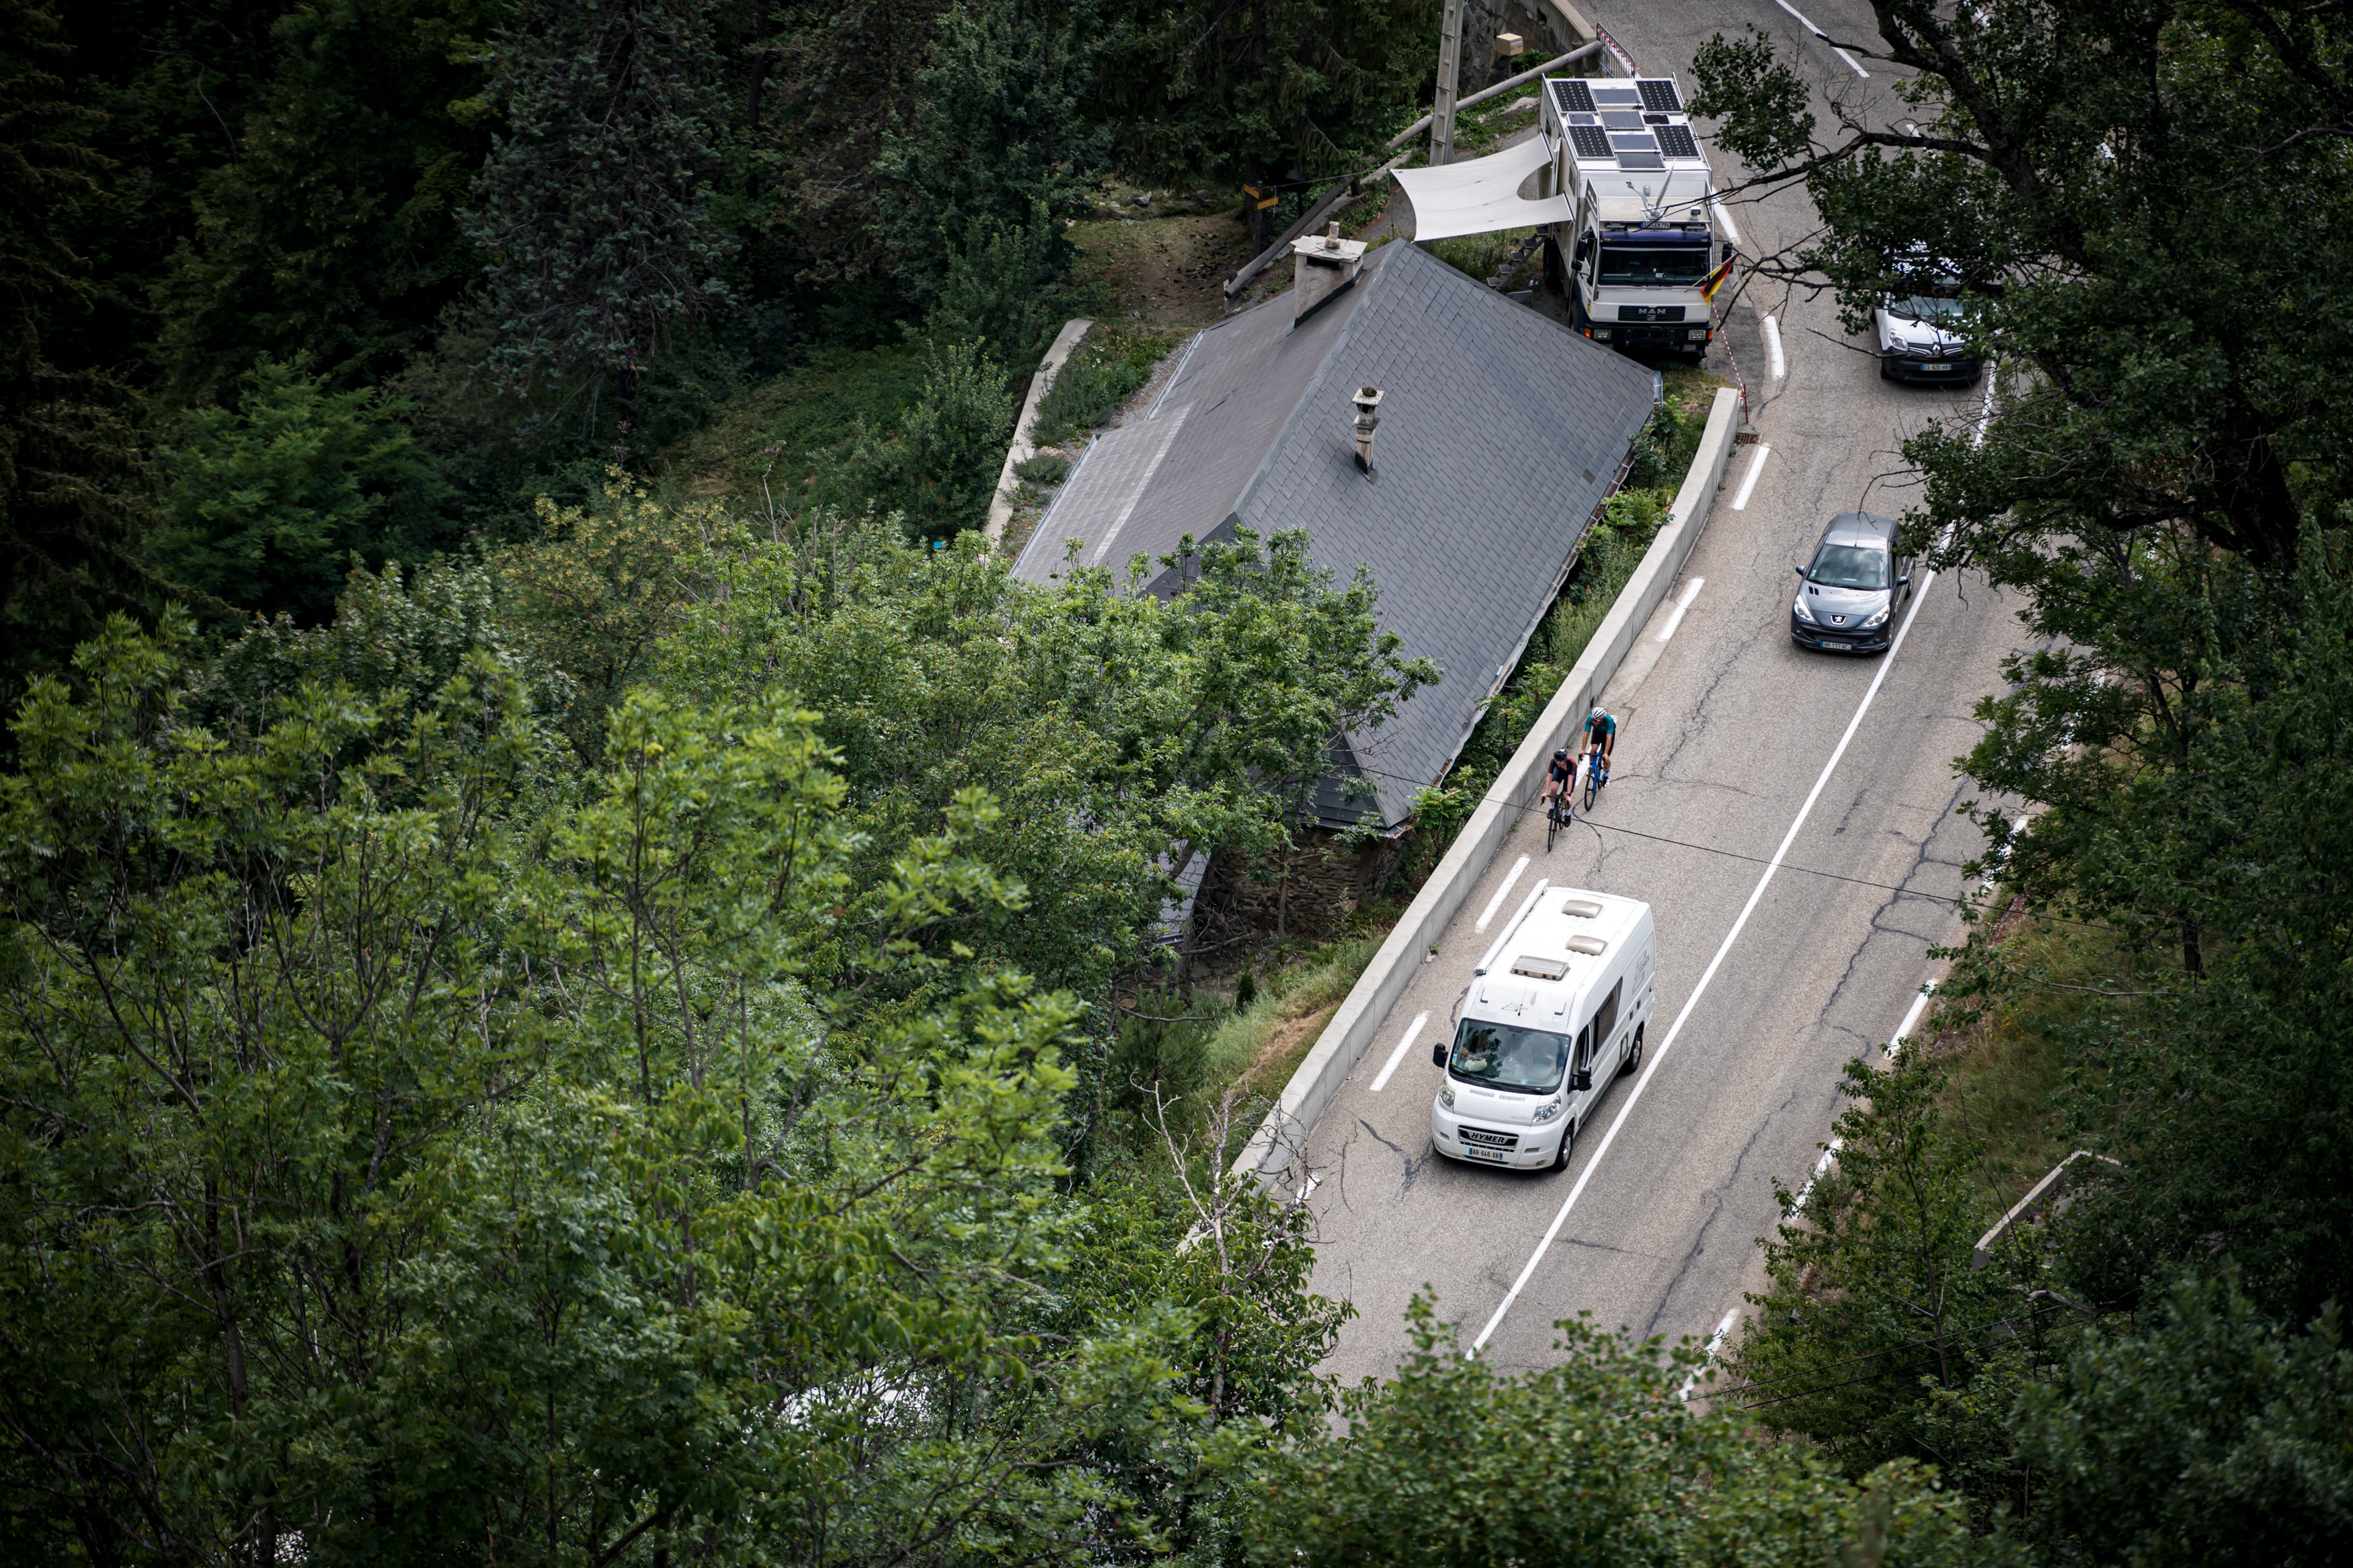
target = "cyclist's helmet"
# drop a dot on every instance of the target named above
(1599, 714)
(1561, 755)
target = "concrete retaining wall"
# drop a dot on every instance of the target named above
(1024, 447)
(1279, 1140)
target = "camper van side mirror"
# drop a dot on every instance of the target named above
(1798, 569)
(1437, 1055)
(1581, 1078)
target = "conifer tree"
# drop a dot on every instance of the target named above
(593, 210)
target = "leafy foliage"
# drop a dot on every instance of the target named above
(1594, 1459)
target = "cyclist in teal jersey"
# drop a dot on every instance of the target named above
(1601, 736)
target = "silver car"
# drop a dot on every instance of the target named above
(1847, 596)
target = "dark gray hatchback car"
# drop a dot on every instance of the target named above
(1850, 591)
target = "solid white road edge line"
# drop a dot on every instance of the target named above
(1830, 1153)
(1497, 901)
(1412, 1033)
(1714, 1343)
(1748, 479)
(1904, 1029)
(1825, 38)
(1675, 616)
(1886, 663)
(1731, 229)
(1773, 348)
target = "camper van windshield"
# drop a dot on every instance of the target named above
(1526, 1062)
(1640, 264)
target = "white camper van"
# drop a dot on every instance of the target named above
(1557, 1008)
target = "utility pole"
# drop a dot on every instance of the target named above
(1450, 73)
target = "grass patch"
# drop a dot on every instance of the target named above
(780, 428)
(1108, 369)
(1479, 256)
(2006, 1055)
(1263, 1044)
(1195, 1050)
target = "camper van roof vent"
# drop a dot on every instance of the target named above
(1537, 968)
(1591, 945)
(1583, 909)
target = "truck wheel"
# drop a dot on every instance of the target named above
(1633, 1054)
(1886, 371)
(1568, 1142)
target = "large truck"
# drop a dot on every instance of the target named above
(1557, 1009)
(1639, 256)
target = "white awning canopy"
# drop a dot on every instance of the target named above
(1483, 195)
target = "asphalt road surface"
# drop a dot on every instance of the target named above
(1724, 731)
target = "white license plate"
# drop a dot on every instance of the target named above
(1477, 1151)
(1948, 366)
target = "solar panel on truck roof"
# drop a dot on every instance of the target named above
(1660, 95)
(1590, 140)
(1677, 141)
(1572, 98)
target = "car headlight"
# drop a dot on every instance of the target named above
(1802, 613)
(1446, 1096)
(1697, 335)
(1546, 1112)
(1880, 620)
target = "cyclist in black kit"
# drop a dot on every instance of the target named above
(1560, 777)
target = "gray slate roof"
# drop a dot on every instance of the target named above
(1501, 433)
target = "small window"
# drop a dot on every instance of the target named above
(1535, 968)
(1605, 1020)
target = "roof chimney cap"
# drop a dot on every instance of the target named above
(1367, 400)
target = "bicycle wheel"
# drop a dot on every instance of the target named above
(1552, 825)
(1592, 784)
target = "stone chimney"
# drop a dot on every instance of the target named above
(1321, 266)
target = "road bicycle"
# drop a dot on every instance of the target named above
(1597, 773)
(1556, 817)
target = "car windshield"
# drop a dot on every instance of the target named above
(1526, 1062)
(1925, 308)
(1850, 566)
(1640, 264)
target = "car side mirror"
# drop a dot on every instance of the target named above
(1798, 569)
(1582, 1078)
(1904, 581)
(1437, 1055)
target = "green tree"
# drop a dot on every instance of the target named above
(592, 213)
(1270, 90)
(1595, 1460)
(415, 1150)
(71, 477)
(996, 134)
(941, 471)
(269, 501)
(2202, 1433)
(333, 232)
(1880, 1337)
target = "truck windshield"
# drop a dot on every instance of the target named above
(1925, 308)
(1653, 264)
(1526, 1062)
(1851, 566)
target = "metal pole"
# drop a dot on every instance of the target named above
(1450, 77)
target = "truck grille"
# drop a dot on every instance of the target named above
(1487, 1140)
